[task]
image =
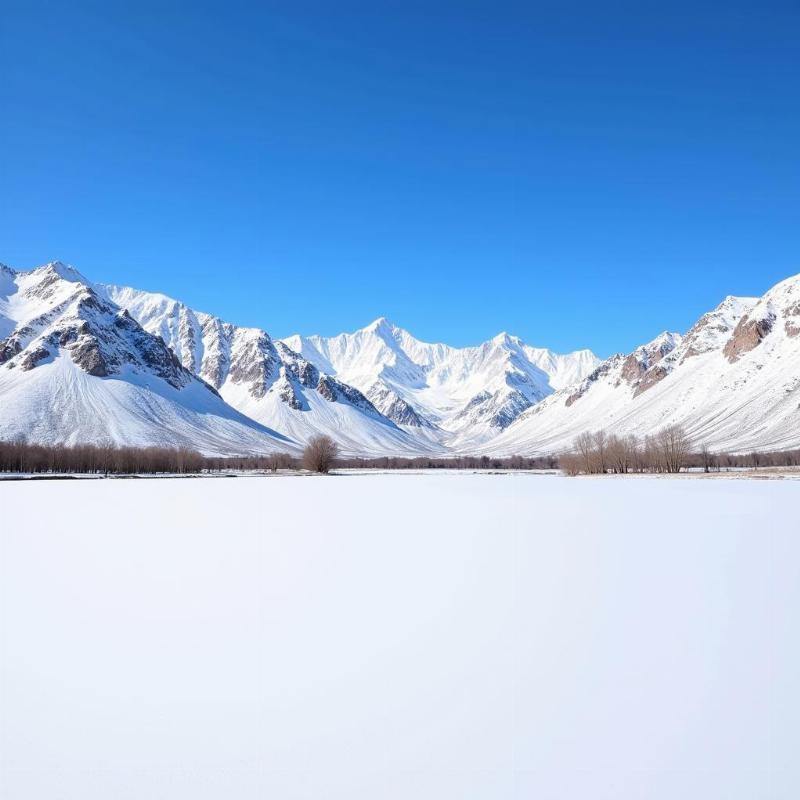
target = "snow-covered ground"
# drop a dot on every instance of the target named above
(399, 636)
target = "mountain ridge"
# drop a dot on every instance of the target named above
(75, 368)
(109, 363)
(467, 392)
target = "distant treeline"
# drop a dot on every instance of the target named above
(456, 462)
(667, 451)
(88, 459)
(20, 456)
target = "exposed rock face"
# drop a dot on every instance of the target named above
(747, 335)
(325, 388)
(498, 409)
(97, 336)
(9, 348)
(403, 413)
(334, 390)
(46, 287)
(216, 353)
(304, 372)
(187, 334)
(87, 355)
(288, 395)
(508, 409)
(34, 357)
(593, 377)
(650, 379)
(641, 369)
(792, 324)
(632, 369)
(255, 364)
(391, 405)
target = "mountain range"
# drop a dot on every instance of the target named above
(82, 361)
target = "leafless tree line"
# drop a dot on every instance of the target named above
(669, 450)
(710, 461)
(319, 456)
(456, 462)
(272, 462)
(20, 456)
(597, 453)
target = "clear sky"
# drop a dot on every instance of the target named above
(579, 174)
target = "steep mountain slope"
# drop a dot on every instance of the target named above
(266, 380)
(733, 381)
(74, 367)
(468, 394)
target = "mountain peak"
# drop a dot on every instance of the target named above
(381, 324)
(65, 271)
(506, 338)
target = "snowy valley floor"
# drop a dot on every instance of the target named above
(417, 636)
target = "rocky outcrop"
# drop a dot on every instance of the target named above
(326, 388)
(592, 378)
(639, 368)
(334, 390)
(9, 348)
(498, 409)
(653, 376)
(255, 364)
(304, 372)
(34, 357)
(287, 393)
(86, 353)
(747, 335)
(391, 405)
(95, 334)
(792, 324)
(188, 339)
(216, 353)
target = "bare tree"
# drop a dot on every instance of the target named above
(600, 440)
(673, 445)
(706, 457)
(571, 462)
(584, 446)
(618, 454)
(635, 453)
(320, 454)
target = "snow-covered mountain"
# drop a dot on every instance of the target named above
(733, 381)
(89, 362)
(76, 368)
(465, 395)
(266, 380)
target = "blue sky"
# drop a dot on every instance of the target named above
(580, 174)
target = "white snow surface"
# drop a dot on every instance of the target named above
(492, 638)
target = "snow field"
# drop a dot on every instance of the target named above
(399, 636)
